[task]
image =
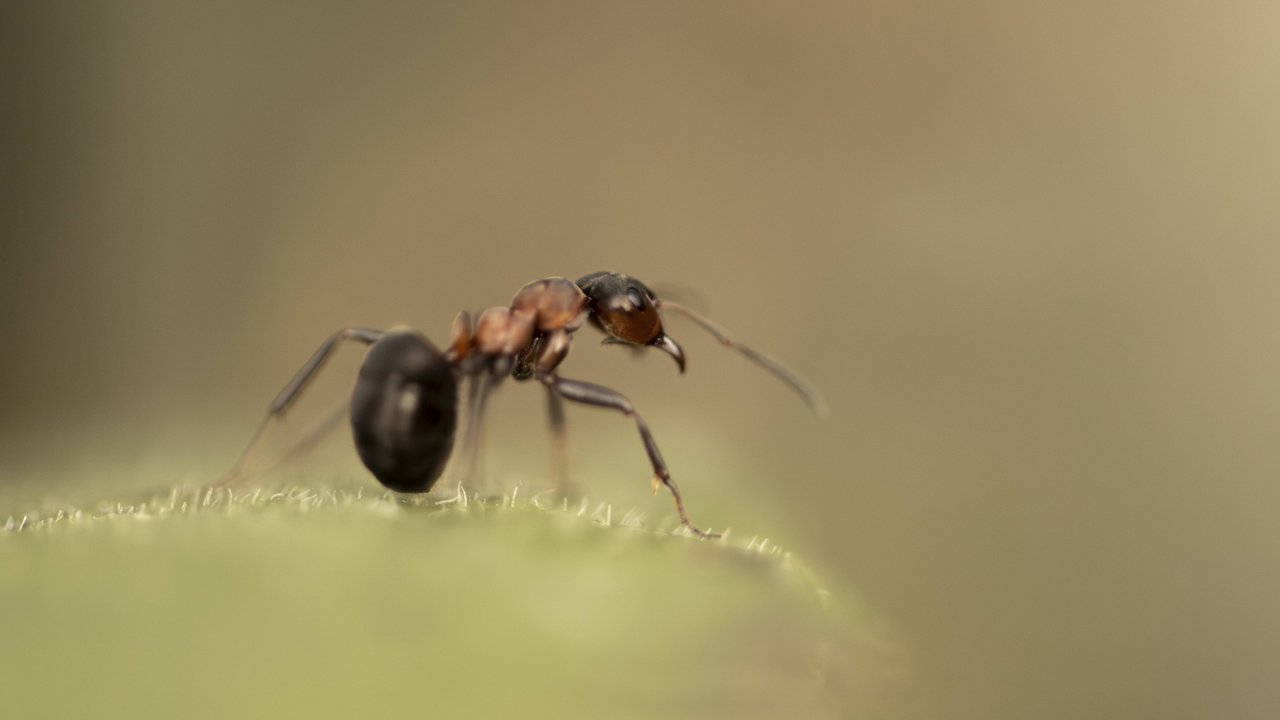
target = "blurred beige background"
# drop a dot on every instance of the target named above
(1029, 251)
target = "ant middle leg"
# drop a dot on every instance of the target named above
(600, 396)
(293, 389)
(559, 445)
(471, 475)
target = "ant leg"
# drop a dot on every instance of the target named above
(559, 444)
(293, 389)
(600, 396)
(314, 434)
(478, 389)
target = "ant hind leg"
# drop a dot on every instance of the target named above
(289, 395)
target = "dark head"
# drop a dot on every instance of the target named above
(627, 311)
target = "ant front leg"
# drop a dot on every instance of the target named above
(600, 396)
(285, 399)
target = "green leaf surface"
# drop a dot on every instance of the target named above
(328, 602)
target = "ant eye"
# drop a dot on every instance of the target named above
(636, 297)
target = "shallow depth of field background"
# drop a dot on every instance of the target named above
(1029, 251)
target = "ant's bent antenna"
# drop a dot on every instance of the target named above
(777, 369)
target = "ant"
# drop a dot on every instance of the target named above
(403, 409)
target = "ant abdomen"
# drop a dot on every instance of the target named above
(404, 411)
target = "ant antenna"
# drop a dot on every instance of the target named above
(777, 369)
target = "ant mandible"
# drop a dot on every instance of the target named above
(403, 409)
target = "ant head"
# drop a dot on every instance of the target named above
(627, 311)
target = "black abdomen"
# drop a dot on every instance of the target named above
(404, 411)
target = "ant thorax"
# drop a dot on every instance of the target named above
(500, 331)
(543, 307)
(554, 303)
